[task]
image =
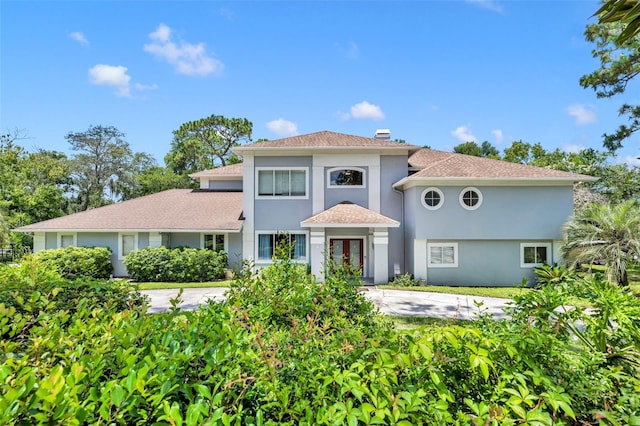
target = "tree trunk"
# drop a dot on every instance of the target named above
(623, 281)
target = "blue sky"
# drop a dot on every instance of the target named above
(436, 73)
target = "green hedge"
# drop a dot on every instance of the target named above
(78, 262)
(22, 286)
(285, 349)
(176, 265)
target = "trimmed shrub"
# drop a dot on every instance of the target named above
(78, 262)
(176, 265)
(33, 278)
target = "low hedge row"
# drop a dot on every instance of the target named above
(176, 265)
(78, 262)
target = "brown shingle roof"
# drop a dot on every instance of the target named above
(172, 210)
(326, 139)
(230, 170)
(438, 164)
(351, 215)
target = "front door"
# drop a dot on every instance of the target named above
(348, 251)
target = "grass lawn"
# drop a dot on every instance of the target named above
(415, 321)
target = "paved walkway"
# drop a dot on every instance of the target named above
(390, 302)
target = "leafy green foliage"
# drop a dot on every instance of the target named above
(604, 232)
(404, 280)
(176, 265)
(206, 143)
(77, 262)
(286, 349)
(23, 287)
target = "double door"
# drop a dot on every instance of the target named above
(348, 251)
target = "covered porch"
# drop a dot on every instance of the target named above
(351, 234)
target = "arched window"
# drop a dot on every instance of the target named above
(346, 177)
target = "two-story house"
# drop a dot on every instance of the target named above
(384, 206)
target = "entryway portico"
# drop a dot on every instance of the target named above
(351, 234)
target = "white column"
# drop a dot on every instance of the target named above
(317, 200)
(248, 195)
(155, 239)
(374, 187)
(317, 252)
(381, 256)
(557, 258)
(420, 259)
(39, 241)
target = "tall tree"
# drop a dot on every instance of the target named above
(206, 143)
(102, 166)
(617, 47)
(607, 232)
(468, 148)
(32, 186)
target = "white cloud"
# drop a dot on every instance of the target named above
(350, 51)
(463, 134)
(79, 37)
(282, 127)
(573, 148)
(583, 114)
(488, 4)
(110, 75)
(366, 111)
(142, 87)
(187, 58)
(628, 160)
(497, 134)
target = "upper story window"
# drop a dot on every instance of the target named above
(282, 182)
(432, 198)
(353, 177)
(470, 198)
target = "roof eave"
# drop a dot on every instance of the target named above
(411, 181)
(349, 225)
(163, 230)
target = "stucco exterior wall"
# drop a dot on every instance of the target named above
(518, 212)
(392, 169)
(225, 185)
(234, 252)
(483, 263)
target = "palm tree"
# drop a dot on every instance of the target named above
(606, 232)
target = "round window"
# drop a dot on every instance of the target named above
(432, 198)
(470, 198)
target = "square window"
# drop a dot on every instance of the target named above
(442, 255)
(533, 254)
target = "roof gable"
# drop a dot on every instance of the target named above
(438, 164)
(326, 140)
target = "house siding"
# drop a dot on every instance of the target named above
(282, 214)
(333, 196)
(483, 263)
(234, 252)
(392, 169)
(225, 185)
(506, 213)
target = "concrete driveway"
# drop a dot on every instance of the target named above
(390, 302)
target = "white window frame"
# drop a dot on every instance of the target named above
(281, 197)
(74, 235)
(300, 260)
(474, 189)
(442, 265)
(121, 254)
(358, 169)
(424, 203)
(534, 244)
(226, 240)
